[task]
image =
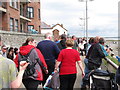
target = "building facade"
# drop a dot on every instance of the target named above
(19, 16)
(56, 30)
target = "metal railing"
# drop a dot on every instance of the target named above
(111, 63)
(21, 31)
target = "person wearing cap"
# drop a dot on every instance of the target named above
(4, 51)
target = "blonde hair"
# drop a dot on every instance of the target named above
(69, 43)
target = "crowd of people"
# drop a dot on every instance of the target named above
(9, 52)
(49, 56)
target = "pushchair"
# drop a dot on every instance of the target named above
(53, 82)
(102, 80)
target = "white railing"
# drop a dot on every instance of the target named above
(111, 63)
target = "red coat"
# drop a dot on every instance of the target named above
(24, 50)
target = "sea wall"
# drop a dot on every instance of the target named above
(16, 39)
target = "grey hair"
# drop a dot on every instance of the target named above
(48, 35)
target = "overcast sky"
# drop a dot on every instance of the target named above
(102, 16)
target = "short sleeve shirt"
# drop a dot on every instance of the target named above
(8, 72)
(68, 58)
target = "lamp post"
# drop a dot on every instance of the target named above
(86, 2)
(86, 23)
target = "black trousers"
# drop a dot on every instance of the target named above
(67, 81)
(51, 66)
(31, 84)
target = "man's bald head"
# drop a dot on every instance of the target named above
(96, 40)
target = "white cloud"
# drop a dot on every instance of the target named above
(103, 15)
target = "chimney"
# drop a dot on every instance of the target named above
(61, 25)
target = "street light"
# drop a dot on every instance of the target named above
(86, 17)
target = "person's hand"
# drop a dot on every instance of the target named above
(55, 71)
(46, 71)
(23, 65)
(83, 74)
(108, 50)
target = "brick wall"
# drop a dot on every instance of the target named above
(15, 39)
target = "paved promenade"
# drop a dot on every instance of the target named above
(79, 75)
(78, 80)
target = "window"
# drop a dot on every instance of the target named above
(21, 9)
(39, 13)
(12, 3)
(11, 24)
(21, 27)
(16, 4)
(30, 12)
(30, 27)
(16, 25)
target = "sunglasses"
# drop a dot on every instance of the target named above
(5, 48)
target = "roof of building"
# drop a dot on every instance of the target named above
(61, 25)
(45, 26)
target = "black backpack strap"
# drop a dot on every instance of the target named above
(29, 52)
(41, 64)
(22, 56)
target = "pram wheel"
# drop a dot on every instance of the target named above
(92, 87)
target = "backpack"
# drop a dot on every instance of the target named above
(30, 70)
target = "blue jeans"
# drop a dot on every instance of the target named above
(86, 66)
(85, 80)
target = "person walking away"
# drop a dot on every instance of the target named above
(61, 45)
(81, 46)
(76, 47)
(50, 51)
(31, 82)
(95, 55)
(68, 58)
(8, 73)
(86, 70)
